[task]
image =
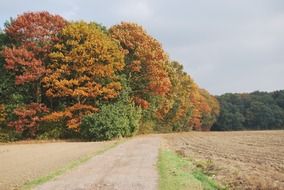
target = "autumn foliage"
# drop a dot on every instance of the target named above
(83, 69)
(2, 113)
(24, 64)
(59, 73)
(33, 35)
(28, 117)
(72, 115)
(145, 62)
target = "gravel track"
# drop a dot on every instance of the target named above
(128, 166)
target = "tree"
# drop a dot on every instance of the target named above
(209, 109)
(145, 63)
(58, 76)
(36, 31)
(178, 109)
(278, 97)
(250, 111)
(28, 41)
(120, 119)
(32, 36)
(83, 71)
(2, 113)
(28, 118)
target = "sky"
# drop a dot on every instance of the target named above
(225, 45)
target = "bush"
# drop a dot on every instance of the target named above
(147, 127)
(56, 130)
(120, 119)
(9, 135)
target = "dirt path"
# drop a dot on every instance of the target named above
(20, 163)
(131, 165)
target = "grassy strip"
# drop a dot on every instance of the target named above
(206, 182)
(71, 165)
(179, 173)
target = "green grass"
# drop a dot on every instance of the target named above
(71, 165)
(177, 173)
(206, 182)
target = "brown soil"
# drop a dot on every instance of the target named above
(241, 160)
(21, 162)
(129, 166)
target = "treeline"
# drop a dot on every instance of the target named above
(61, 79)
(254, 111)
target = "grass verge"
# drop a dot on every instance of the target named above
(177, 173)
(71, 165)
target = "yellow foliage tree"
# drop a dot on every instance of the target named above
(83, 69)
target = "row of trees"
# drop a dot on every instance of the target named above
(254, 111)
(66, 79)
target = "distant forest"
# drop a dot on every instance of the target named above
(251, 111)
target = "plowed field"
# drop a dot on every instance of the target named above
(239, 160)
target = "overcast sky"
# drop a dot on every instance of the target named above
(225, 45)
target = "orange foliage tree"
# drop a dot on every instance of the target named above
(205, 111)
(31, 37)
(33, 34)
(186, 106)
(145, 62)
(176, 108)
(209, 109)
(83, 70)
(28, 117)
(195, 121)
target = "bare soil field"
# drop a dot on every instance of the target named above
(239, 160)
(21, 162)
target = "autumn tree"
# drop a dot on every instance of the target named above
(145, 62)
(186, 106)
(28, 118)
(176, 110)
(2, 113)
(11, 95)
(83, 76)
(32, 36)
(209, 109)
(195, 121)
(83, 71)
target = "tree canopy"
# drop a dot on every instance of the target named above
(81, 79)
(254, 111)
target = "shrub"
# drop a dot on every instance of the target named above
(147, 127)
(120, 119)
(9, 135)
